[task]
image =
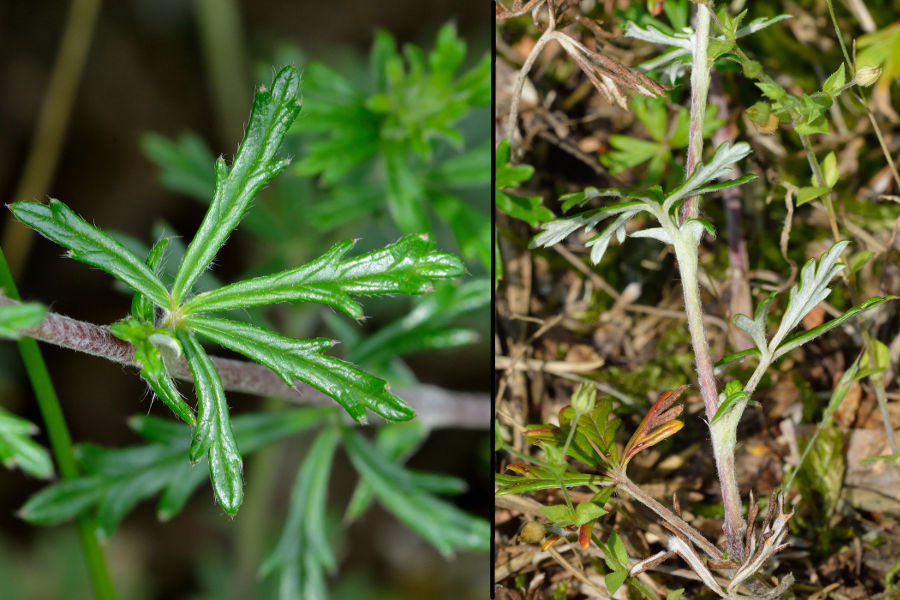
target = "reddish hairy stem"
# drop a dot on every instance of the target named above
(434, 406)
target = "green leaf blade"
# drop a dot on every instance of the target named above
(408, 266)
(87, 244)
(213, 432)
(273, 113)
(353, 389)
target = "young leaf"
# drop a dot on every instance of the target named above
(756, 328)
(303, 552)
(17, 449)
(213, 434)
(142, 335)
(87, 244)
(835, 82)
(733, 393)
(808, 193)
(441, 524)
(141, 306)
(15, 318)
(302, 359)
(273, 112)
(557, 230)
(408, 266)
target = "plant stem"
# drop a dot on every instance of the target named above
(435, 406)
(699, 92)
(61, 444)
(686, 251)
(626, 485)
(723, 438)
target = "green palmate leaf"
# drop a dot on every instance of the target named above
(303, 552)
(302, 359)
(90, 245)
(273, 112)
(441, 524)
(407, 266)
(213, 435)
(15, 318)
(397, 441)
(118, 478)
(17, 449)
(332, 104)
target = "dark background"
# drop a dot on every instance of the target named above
(145, 71)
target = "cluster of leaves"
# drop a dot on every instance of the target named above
(116, 480)
(653, 200)
(346, 135)
(666, 136)
(165, 323)
(400, 140)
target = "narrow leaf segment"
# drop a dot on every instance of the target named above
(407, 266)
(56, 222)
(294, 359)
(213, 433)
(273, 113)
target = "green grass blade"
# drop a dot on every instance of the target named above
(407, 266)
(87, 244)
(273, 113)
(213, 432)
(292, 359)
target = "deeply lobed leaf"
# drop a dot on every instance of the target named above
(441, 524)
(118, 478)
(304, 550)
